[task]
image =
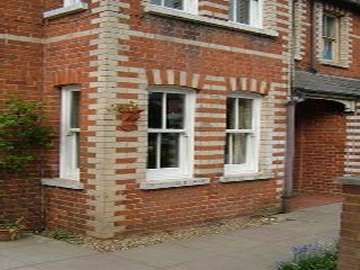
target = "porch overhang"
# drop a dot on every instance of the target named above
(318, 86)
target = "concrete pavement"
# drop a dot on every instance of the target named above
(250, 249)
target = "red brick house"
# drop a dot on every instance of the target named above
(212, 79)
(324, 108)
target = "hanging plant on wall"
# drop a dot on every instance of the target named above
(129, 114)
(22, 135)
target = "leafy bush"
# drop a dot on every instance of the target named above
(22, 135)
(311, 257)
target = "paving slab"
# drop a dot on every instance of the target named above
(251, 249)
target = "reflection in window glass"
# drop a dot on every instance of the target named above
(152, 150)
(175, 111)
(156, 2)
(239, 148)
(230, 113)
(243, 11)
(75, 109)
(176, 4)
(155, 110)
(169, 150)
(245, 117)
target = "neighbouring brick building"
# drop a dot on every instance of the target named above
(212, 80)
(324, 109)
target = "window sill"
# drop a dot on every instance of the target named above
(150, 185)
(349, 180)
(245, 177)
(62, 183)
(157, 10)
(63, 11)
(332, 63)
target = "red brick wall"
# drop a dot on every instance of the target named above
(320, 144)
(66, 209)
(67, 62)
(21, 76)
(350, 229)
(20, 197)
(177, 207)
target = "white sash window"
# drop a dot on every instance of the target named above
(246, 12)
(189, 6)
(170, 135)
(242, 135)
(331, 29)
(70, 133)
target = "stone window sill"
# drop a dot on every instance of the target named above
(157, 10)
(349, 180)
(161, 184)
(62, 183)
(245, 177)
(332, 63)
(63, 11)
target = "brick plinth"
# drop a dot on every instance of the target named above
(350, 227)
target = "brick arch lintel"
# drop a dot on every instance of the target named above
(66, 77)
(200, 81)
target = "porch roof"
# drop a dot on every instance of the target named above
(326, 85)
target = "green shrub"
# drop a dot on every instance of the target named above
(22, 135)
(311, 257)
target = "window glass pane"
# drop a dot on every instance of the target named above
(70, 2)
(230, 113)
(227, 148)
(75, 109)
(152, 147)
(239, 148)
(329, 26)
(175, 111)
(328, 49)
(231, 10)
(169, 150)
(177, 4)
(155, 110)
(245, 113)
(77, 161)
(243, 11)
(156, 2)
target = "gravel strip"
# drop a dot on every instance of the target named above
(133, 241)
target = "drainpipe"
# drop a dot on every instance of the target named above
(290, 142)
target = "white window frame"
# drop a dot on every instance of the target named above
(68, 143)
(335, 41)
(190, 6)
(186, 142)
(253, 144)
(255, 15)
(68, 3)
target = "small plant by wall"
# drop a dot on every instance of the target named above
(312, 257)
(22, 135)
